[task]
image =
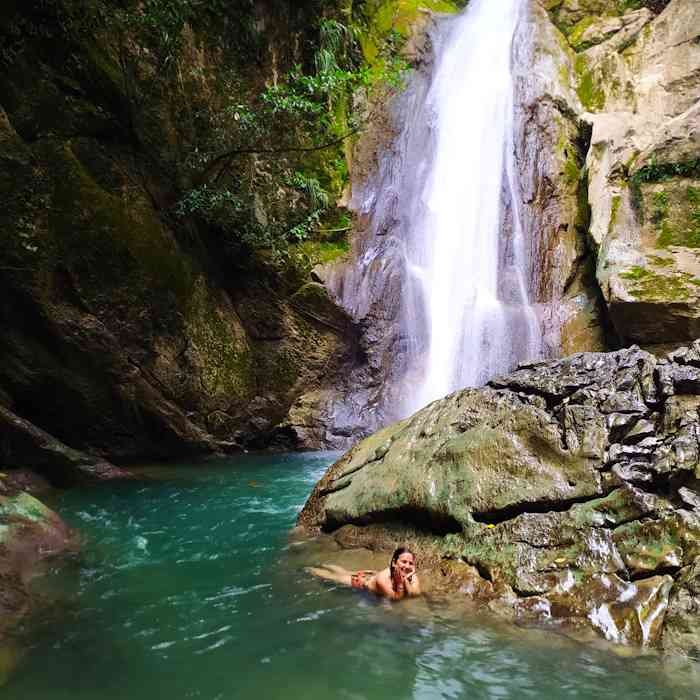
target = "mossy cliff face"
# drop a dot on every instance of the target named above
(568, 491)
(129, 330)
(637, 69)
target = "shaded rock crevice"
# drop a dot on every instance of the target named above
(422, 521)
(504, 515)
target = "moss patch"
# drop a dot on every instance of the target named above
(647, 285)
(674, 212)
(589, 92)
(114, 241)
(222, 355)
(658, 261)
(323, 252)
(615, 208)
(395, 17)
(577, 32)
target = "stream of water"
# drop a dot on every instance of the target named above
(464, 241)
(440, 273)
(188, 586)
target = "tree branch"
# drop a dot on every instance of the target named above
(225, 158)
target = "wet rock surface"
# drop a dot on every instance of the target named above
(570, 490)
(30, 535)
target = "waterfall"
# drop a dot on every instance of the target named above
(438, 278)
(466, 309)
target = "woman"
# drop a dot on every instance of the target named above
(398, 580)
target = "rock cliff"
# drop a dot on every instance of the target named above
(606, 120)
(637, 68)
(566, 491)
(133, 328)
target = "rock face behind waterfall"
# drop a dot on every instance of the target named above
(568, 490)
(550, 139)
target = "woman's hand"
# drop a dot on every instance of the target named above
(407, 572)
(411, 584)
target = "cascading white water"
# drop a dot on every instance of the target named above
(438, 280)
(468, 316)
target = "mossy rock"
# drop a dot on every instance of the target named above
(672, 542)
(399, 16)
(660, 285)
(312, 300)
(672, 208)
(681, 633)
(589, 89)
(218, 347)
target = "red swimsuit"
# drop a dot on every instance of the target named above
(360, 578)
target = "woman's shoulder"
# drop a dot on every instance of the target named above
(384, 575)
(382, 580)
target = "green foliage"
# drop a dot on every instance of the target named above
(160, 23)
(693, 195)
(658, 172)
(258, 165)
(294, 129)
(334, 37)
(311, 187)
(207, 200)
(660, 203)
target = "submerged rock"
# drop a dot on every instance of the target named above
(566, 491)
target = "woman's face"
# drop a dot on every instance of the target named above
(406, 563)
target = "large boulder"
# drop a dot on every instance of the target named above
(568, 490)
(30, 534)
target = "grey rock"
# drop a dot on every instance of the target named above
(690, 497)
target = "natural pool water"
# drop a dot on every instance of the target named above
(188, 587)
